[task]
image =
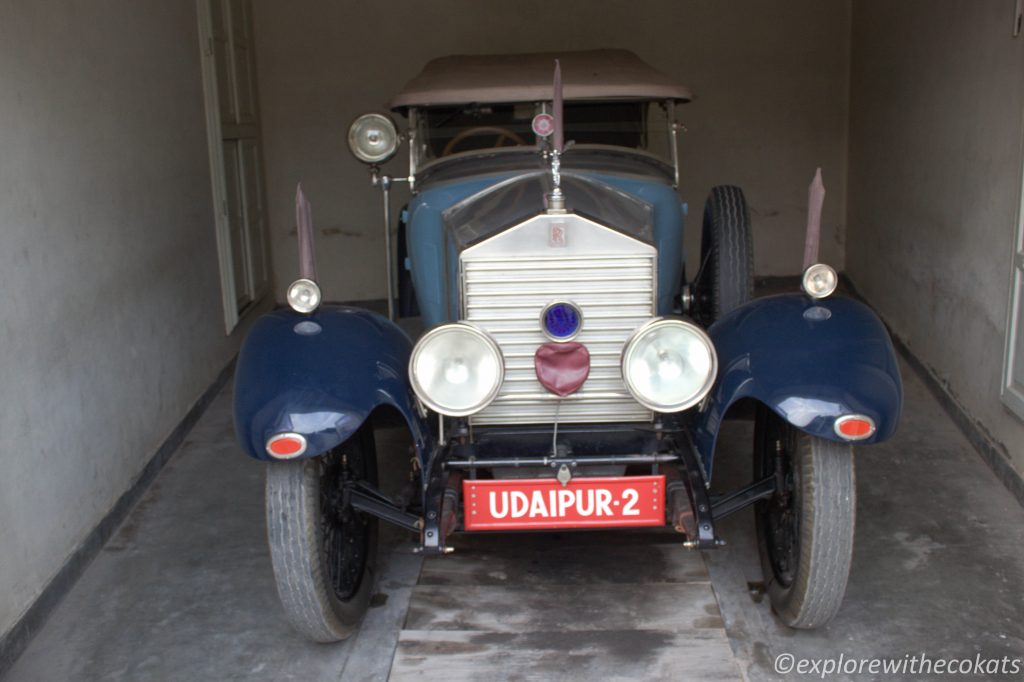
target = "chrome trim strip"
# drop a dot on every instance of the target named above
(673, 128)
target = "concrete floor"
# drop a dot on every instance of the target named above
(938, 563)
(184, 591)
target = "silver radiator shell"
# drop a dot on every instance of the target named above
(507, 280)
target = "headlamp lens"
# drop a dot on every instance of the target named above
(669, 365)
(373, 138)
(456, 369)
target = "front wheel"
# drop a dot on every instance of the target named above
(323, 550)
(805, 531)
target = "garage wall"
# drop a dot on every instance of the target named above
(111, 315)
(937, 96)
(770, 80)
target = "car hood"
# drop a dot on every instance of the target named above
(508, 203)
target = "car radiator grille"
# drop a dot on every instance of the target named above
(505, 296)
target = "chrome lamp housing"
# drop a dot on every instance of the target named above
(456, 369)
(373, 138)
(669, 364)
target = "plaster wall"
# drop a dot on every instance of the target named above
(110, 320)
(935, 173)
(771, 96)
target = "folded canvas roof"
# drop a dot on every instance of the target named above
(491, 79)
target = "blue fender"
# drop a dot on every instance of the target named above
(809, 361)
(321, 375)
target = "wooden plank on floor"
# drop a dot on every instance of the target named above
(679, 607)
(571, 606)
(373, 645)
(455, 656)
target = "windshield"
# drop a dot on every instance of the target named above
(445, 130)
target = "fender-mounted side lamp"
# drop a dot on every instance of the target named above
(304, 293)
(819, 280)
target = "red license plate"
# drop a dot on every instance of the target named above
(605, 502)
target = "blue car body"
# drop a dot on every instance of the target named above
(322, 375)
(809, 361)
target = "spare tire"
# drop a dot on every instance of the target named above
(725, 278)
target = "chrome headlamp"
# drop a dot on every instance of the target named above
(820, 280)
(373, 138)
(304, 295)
(669, 365)
(456, 369)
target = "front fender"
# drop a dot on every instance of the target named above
(809, 361)
(321, 375)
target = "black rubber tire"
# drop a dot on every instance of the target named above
(296, 535)
(726, 269)
(822, 502)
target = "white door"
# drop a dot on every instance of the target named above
(225, 31)
(1013, 368)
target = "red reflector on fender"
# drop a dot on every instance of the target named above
(286, 445)
(854, 427)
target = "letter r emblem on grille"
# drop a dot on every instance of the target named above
(556, 235)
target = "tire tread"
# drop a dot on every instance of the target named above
(728, 236)
(296, 550)
(828, 520)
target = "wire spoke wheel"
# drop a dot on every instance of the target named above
(805, 530)
(780, 515)
(323, 550)
(346, 532)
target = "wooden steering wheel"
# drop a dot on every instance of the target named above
(502, 133)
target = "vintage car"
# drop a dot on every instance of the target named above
(572, 376)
